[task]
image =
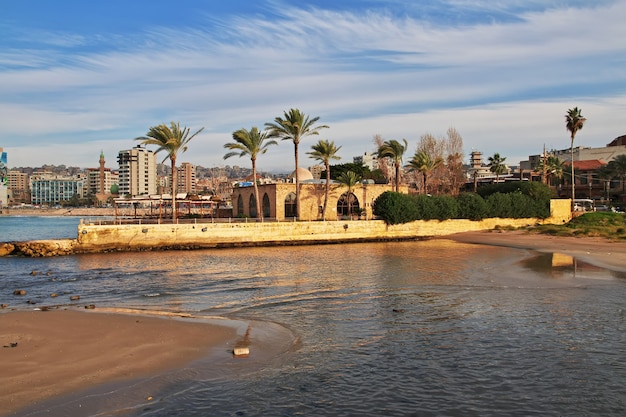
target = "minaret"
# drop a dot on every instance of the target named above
(101, 188)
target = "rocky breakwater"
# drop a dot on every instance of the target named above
(39, 248)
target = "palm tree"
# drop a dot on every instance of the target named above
(496, 165)
(424, 163)
(253, 143)
(554, 167)
(394, 150)
(171, 139)
(574, 122)
(294, 126)
(349, 179)
(618, 167)
(325, 151)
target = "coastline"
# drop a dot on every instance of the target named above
(597, 251)
(48, 354)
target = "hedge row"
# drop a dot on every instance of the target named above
(527, 200)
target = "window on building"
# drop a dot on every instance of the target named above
(266, 205)
(240, 206)
(290, 205)
(252, 205)
(346, 203)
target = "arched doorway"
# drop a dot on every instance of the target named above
(240, 205)
(252, 206)
(290, 205)
(348, 205)
(266, 205)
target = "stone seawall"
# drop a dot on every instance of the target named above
(96, 238)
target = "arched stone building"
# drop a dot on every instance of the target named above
(278, 201)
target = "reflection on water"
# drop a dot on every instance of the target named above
(399, 328)
(558, 265)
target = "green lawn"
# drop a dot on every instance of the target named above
(597, 224)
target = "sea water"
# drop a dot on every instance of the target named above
(23, 228)
(420, 328)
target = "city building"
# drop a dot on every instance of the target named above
(589, 182)
(19, 187)
(101, 180)
(4, 171)
(479, 172)
(367, 159)
(50, 189)
(137, 172)
(186, 178)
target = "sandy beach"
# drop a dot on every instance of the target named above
(45, 354)
(593, 250)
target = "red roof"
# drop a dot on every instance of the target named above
(590, 165)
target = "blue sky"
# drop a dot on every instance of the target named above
(79, 77)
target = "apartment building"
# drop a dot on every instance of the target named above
(51, 189)
(4, 192)
(19, 187)
(137, 172)
(186, 178)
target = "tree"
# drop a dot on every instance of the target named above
(294, 126)
(454, 160)
(554, 167)
(325, 151)
(574, 122)
(496, 165)
(618, 168)
(394, 150)
(422, 162)
(349, 179)
(252, 143)
(171, 139)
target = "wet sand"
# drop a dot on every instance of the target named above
(45, 354)
(597, 251)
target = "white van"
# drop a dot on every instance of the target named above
(584, 204)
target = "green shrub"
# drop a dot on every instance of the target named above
(471, 206)
(425, 207)
(447, 207)
(499, 205)
(395, 208)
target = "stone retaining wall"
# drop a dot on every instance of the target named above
(93, 238)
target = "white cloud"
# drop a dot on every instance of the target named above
(505, 86)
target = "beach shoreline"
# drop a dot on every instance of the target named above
(55, 353)
(598, 251)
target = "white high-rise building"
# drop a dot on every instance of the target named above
(4, 173)
(137, 172)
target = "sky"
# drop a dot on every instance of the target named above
(78, 78)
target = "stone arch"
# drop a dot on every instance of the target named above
(252, 205)
(266, 205)
(240, 205)
(290, 205)
(342, 204)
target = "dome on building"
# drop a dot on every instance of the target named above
(303, 174)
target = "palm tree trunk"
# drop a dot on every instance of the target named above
(327, 190)
(297, 182)
(397, 177)
(259, 212)
(572, 165)
(174, 180)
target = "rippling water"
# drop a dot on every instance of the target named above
(23, 228)
(425, 328)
